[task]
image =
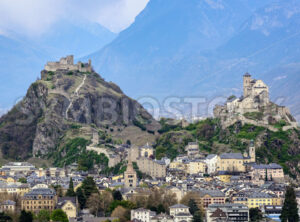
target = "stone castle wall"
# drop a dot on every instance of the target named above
(67, 63)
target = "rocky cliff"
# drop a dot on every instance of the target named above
(62, 100)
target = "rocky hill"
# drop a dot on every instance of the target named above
(69, 104)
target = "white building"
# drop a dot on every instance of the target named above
(180, 212)
(212, 163)
(142, 214)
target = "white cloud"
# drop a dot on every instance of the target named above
(280, 78)
(34, 17)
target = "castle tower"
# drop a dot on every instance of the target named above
(247, 84)
(130, 177)
(252, 152)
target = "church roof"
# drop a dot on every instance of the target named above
(231, 156)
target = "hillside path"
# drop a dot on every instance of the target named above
(75, 94)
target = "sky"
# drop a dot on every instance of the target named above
(35, 17)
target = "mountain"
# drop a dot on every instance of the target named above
(202, 48)
(22, 57)
(65, 105)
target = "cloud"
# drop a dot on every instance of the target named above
(280, 78)
(34, 17)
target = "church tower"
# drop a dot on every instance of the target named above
(247, 84)
(130, 177)
(252, 152)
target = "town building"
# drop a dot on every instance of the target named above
(141, 214)
(207, 197)
(212, 163)
(153, 168)
(227, 212)
(196, 166)
(8, 206)
(68, 205)
(273, 171)
(38, 199)
(130, 177)
(180, 212)
(192, 150)
(13, 168)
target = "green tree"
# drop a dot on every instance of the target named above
(117, 195)
(255, 214)
(266, 175)
(70, 191)
(59, 215)
(289, 210)
(89, 187)
(5, 218)
(81, 198)
(197, 216)
(43, 216)
(193, 206)
(26, 216)
(22, 180)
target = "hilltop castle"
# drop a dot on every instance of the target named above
(254, 107)
(67, 63)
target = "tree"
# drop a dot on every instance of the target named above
(121, 213)
(289, 210)
(5, 218)
(197, 216)
(117, 195)
(106, 199)
(43, 216)
(26, 216)
(266, 175)
(81, 198)
(59, 215)
(70, 191)
(255, 214)
(193, 206)
(22, 180)
(94, 203)
(89, 187)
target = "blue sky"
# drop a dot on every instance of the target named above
(34, 17)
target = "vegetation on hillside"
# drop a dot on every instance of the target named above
(280, 147)
(74, 150)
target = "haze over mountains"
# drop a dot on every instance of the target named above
(180, 48)
(202, 48)
(22, 57)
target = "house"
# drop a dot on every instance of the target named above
(162, 217)
(180, 212)
(212, 163)
(192, 150)
(8, 206)
(68, 205)
(227, 212)
(38, 199)
(232, 162)
(141, 214)
(196, 166)
(207, 197)
(273, 171)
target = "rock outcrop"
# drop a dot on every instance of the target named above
(255, 108)
(61, 99)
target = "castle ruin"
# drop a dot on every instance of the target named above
(67, 63)
(254, 107)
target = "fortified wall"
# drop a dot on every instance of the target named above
(67, 63)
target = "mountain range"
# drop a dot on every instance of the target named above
(195, 48)
(202, 48)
